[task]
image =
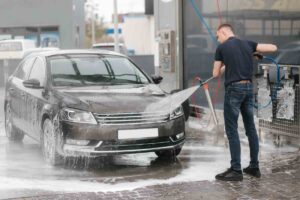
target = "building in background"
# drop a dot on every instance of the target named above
(137, 35)
(186, 49)
(54, 23)
(136, 32)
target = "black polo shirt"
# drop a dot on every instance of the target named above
(236, 54)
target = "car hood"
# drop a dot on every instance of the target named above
(111, 99)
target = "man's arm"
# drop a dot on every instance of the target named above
(265, 48)
(218, 68)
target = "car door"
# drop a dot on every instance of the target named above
(35, 98)
(16, 92)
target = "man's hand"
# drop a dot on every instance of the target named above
(222, 69)
(258, 56)
(219, 68)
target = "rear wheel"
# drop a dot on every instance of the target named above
(50, 144)
(11, 132)
(171, 153)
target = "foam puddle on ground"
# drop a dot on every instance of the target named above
(204, 162)
(196, 171)
(199, 166)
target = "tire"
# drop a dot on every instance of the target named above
(11, 132)
(172, 153)
(50, 144)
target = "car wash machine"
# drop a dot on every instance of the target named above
(278, 100)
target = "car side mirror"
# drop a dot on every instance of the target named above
(156, 79)
(32, 83)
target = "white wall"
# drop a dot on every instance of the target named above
(138, 33)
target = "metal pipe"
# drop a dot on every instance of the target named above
(205, 87)
(93, 23)
(116, 31)
(204, 82)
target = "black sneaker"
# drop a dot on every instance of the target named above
(230, 175)
(252, 171)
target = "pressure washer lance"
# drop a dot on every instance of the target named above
(204, 84)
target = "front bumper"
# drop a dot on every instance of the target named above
(94, 151)
(104, 140)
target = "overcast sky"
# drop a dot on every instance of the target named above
(124, 6)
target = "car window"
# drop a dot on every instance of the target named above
(24, 69)
(82, 70)
(62, 66)
(124, 69)
(90, 66)
(38, 71)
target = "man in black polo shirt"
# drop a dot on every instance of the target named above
(235, 57)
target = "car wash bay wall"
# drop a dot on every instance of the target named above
(276, 21)
(168, 34)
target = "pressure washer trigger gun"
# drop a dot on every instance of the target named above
(201, 82)
(205, 82)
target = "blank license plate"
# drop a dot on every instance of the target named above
(138, 133)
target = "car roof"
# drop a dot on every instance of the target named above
(77, 51)
(31, 51)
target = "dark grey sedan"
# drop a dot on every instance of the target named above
(89, 103)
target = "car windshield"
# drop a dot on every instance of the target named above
(84, 70)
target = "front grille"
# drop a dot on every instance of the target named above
(131, 118)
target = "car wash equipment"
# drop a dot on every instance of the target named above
(279, 100)
(263, 102)
(204, 84)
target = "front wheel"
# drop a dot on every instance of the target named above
(50, 144)
(11, 132)
(171, 153)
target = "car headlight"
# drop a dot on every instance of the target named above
(178, 112)
(78, 116)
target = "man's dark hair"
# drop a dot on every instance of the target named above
(226, 26)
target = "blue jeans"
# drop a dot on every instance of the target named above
(239, 98)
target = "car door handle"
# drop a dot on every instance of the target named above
(11, 89)
(23, 94)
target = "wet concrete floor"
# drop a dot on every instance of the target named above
(25, 175)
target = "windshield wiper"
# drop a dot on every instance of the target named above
(122, 81)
